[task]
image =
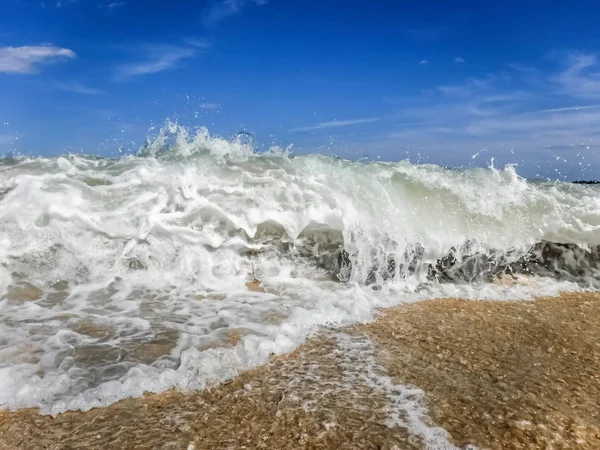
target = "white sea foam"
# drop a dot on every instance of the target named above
(119, 277)
(407, 406)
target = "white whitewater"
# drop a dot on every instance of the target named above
(119, 277)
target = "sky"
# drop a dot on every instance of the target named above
(457, 83)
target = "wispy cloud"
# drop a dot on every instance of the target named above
(157, 58)
(115, 5)
(580, 79)
(540, 116)
(337, 123)
(209, 105)
(459, 60)
(469, 87)
(423, 62)
(544, 126)
(78, 88)
(225, 8)
(527, 115)
(28, 59)
(198, 42)
(570, 108)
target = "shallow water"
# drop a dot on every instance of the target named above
(429, 375)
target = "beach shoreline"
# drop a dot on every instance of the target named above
(494, 374)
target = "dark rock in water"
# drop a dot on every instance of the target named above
(586, 182)
(333, 262)
(390, 270)
(269, 230)
(372, 276)
(564, 261)
(135, 264)
(466, 263)
(387, 273)
(325, 246)
(559, 260)
(414, 257)
(60, 285)
(344, 261)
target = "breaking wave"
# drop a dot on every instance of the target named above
(198, 257)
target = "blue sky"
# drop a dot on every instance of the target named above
(453, 83)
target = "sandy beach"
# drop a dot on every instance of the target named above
(256, 224)
(497, 375)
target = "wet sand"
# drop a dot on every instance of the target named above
(503, 375)
(499, 375)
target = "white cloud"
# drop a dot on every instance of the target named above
(502, 113)
(489, 112)
(459, 60)
(468, 88)
(579, 79)
(78, 88)
(423, 62)
(198, 43)
(543, 124)
(545, 121)
(209, 105)
(337, 123)
(157, 59)
(28, 59)
(226, 8)
(570, 108)
(115, 5)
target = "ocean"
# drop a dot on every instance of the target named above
(198, 258)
